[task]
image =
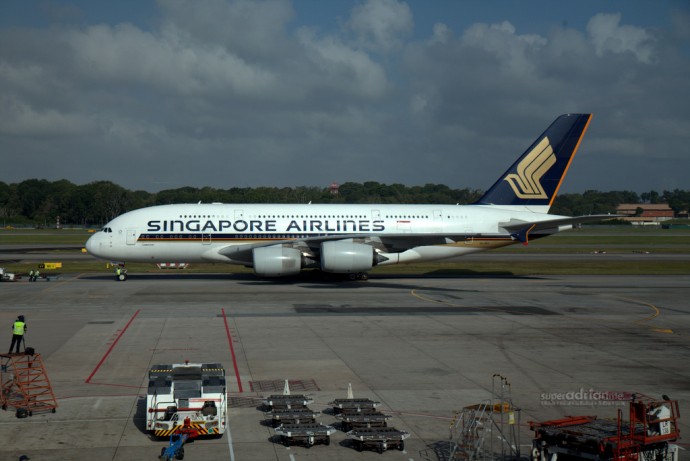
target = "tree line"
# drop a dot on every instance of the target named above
(39, 202)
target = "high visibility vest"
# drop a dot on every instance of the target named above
(18, 328)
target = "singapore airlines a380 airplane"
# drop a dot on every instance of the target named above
(281, 240)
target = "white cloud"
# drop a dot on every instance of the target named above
(338, 64)
(20, 119)
(129, 55)
(381, 25)
(608, 36)
(254, 30)
(512, 50)
(441, 33)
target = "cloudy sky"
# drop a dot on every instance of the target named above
(156, 95)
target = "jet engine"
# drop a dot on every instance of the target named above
(346, 257)
(276, 261)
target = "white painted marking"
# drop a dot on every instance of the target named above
(232, 452)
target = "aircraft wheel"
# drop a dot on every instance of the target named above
(352, 276)
(364, 276)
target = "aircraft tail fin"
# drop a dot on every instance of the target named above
(534, 179)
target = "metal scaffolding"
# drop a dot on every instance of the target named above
(488, 430)
(25, 384)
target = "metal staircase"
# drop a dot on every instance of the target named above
(488, 430)
(25, 384)
(469, 430)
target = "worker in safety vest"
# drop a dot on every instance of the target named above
(31, 275)
(18, 330)
(118, 271)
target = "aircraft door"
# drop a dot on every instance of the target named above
(131, 236)
(205, 239)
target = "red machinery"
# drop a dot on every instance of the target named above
(651, 425)
(25, 384)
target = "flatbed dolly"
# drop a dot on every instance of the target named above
(379, 439)
(304, 434)
(286, 402)
(292, 416)
(362, 420)
(340, 405)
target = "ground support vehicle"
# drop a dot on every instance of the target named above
(341, 405)
(286, 402)
(645, 435)
(6, 276)
(304, 434)
(177, 441)
(379, 439)
(186, 392)
(292, 416)
(362, 419)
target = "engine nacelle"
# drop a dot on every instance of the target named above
(346, 257)
(276, 261)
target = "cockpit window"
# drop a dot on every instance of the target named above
(106, 229)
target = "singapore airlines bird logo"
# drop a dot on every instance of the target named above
(526, 183)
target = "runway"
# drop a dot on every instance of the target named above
(422, 346)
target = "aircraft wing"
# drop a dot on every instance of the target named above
(393, 243)
(388, 243)
(243, 252)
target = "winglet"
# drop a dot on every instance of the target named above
(534, 179)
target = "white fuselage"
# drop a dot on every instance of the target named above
(197, 232)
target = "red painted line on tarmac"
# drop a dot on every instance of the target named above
(232, 351)
(117, 385)
(112, 346)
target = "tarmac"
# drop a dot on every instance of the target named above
(425, 347)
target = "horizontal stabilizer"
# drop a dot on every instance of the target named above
(520, 230)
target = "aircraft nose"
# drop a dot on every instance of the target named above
(92, 245)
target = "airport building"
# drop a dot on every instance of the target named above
(645, 213)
